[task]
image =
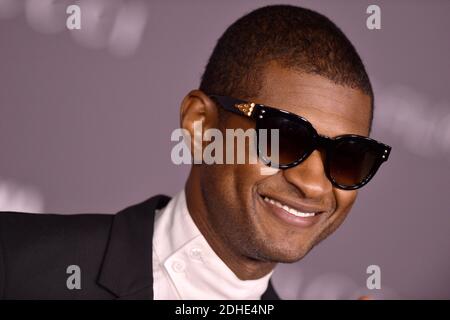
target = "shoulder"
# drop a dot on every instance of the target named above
(37, 249)
(112, 252)
(20, 227)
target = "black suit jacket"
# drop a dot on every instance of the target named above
(114, 253)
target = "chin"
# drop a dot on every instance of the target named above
(282, 254)
(286, 258)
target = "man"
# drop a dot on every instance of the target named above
(279, 67)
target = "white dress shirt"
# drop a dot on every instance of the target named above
(186, 267)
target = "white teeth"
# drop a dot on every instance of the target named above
(289, 209)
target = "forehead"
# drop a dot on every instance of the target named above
(332, 109)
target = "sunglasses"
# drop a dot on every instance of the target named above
(350, 162)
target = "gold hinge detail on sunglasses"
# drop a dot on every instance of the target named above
(246, 108)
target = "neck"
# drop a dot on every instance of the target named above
(245, 268)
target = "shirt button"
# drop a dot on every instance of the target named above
(196, 254)
(178, 266)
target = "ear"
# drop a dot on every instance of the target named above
(198, 110)
(197, 106)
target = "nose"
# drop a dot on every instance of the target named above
(309, 176)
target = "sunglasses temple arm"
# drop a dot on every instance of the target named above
(236, 106)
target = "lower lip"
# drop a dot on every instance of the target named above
(283, 215)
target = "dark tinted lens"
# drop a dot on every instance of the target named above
(352, 161)
(294, 137)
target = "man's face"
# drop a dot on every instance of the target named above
(234, 194)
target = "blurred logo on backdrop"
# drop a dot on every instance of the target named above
(418, 124)
(17, 197)
(329, 286)
(114, 25)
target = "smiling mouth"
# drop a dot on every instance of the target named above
(289, 209)
(300, 216)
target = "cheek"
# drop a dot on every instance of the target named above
(242, 190)
(228, 193)
(246, 178)
(231, 185)
(344, 201)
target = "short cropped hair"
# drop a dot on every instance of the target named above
(296, 38)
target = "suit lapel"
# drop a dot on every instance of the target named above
(270, 293)
(127, 266)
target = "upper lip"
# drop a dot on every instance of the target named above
(296, 205)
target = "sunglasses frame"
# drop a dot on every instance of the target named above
(257, 112)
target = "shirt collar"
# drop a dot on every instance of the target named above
(192, 265)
